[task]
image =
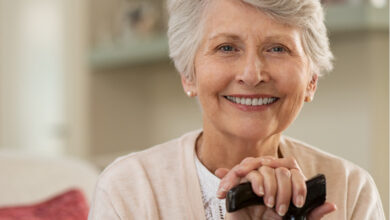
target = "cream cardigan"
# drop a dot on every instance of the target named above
(162, 183)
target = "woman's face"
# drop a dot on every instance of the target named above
(251, 73)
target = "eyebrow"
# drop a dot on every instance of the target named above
(226, 35)
(287, 38)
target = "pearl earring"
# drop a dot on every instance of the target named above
(190, 93)
(308, 99)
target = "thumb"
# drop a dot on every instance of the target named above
(221, 172)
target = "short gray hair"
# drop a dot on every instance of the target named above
(185, 30)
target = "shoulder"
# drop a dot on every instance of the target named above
(313, 161)
(154, 160)
(310, 156)
(302, 149)
(140, 184)
(348, 185)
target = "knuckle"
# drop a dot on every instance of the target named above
(230, 176)
(292, 161)
(236, 170)
(247, 160)
(283, 171)
(298, 174)
(264, 170)
(253, 174)
(250, 176)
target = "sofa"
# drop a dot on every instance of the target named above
(51, 185)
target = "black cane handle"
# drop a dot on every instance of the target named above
(243, 196)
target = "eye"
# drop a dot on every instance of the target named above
(278, 49)
(226, 48)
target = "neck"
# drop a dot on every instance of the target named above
(225, 151)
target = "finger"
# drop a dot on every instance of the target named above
(283, 177)
(256, 181)
(228, 181)
(221, 172)
(298, 188)
(270, 185)
(251, 163)
(321, 211)
(288, 162)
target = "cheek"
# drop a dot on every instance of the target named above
(213, 77)
(290, 86)
(290, 79)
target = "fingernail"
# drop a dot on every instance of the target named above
(261, 190)
(282, 210)
(270, 202)
(221, 191)
(300, 201)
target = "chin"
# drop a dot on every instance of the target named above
(251, 134)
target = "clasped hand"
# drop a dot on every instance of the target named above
(278, 181)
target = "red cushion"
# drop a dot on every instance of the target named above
(70, 205)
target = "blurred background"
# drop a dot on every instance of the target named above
(92, 80)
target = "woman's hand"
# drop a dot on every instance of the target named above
(278, 181)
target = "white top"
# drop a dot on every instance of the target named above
(215, 208)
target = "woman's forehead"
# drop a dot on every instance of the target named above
(229, 19)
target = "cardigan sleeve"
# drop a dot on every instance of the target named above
(367, 203)
(102, 207)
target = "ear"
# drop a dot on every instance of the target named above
(189, 85)
(311, 88)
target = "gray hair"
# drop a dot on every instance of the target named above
(185, 29)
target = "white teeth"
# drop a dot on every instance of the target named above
(251, 102)
(254, 101)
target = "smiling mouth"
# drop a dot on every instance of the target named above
(252, 101)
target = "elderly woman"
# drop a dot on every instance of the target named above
(252, 64)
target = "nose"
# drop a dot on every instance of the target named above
(252, 73)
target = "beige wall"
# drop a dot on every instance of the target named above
(136, 107)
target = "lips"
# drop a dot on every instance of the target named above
(252, 101)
